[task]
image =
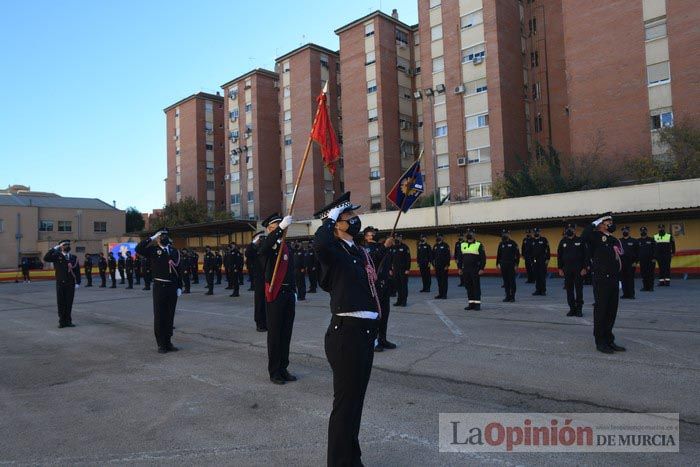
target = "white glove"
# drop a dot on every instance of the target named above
(598, 221)
(335, 213)
(179, 292)
(286, 222)
(77, 286)
(256, 239)
(156, 235)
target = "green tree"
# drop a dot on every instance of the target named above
(134, 220)
(186, 211)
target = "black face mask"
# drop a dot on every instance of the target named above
(164, 240)
(662, 232)
(537, 235)
(625, 233)
(354, 225)
(569, 233)
(611, 228)
(643, 233)
(470, 237)
(504, 238)
(66, 249)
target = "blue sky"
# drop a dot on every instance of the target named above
(83, 84)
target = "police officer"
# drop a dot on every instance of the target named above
(257, 273)
(299, 270)
(112, 265)
(440, 257)
(195, 267)
(630, 255)
(228, 270)
(209, 269)
(67, 273)
(401, 267)
(167, 285)
(121, 264)
(87, 266)
(280, 297)
(458, 258)
(604, 251)
(129, 268)
(218, 263)
(185, 269)
(24, 265)
(571, 261)
(646, 259)
(424, 256)
(311, 266)
(665, 248)
(251, 260)
(507, 260)
(473, 264)
(381, 262)
(102, 268)
(539, 250)
(527, 256)
(349, 275)
(137, 268)
(236, 268)
(147, 273)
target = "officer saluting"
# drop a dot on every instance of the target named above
(67, 272)
(167, 285)
(665, 249)
(571, 261)
(646, 260)
(507, 260)
(348, 274)
(441, 263)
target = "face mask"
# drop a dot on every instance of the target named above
(662, 232)
(611, 228)
(470, 237)
(537, 235)
(439, 239)
(625, 234)
(354, 225)
(569, 233)
(504, 238)
(644, 233)
(66, 249)
(164, 240)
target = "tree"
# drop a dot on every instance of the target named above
(186, 211)
(134, 220)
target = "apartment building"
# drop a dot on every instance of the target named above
(252, 146)
(303, 73)
(379, 61)
(195, 150)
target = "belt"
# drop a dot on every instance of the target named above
(365, 323)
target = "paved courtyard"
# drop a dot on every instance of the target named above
(99, 393)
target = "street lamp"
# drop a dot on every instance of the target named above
(430, 93)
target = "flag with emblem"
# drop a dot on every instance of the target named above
(322, 132)
(409, 187)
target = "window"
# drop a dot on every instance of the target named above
(476, 87)
(436, 32)
(210, 167)
(655, 29)
(251, 196)
(374, 146)
(64, 226)
(474, 156)
(443, 193)
(481, 190)
(209, 106)
(99, 226)
(372, 115)
(662, 120)
(287, 165)
(235, 199)
(324, 61)
(443, 161)
(416, 70)
(440, 129)
(405, 93)
(289, 188)
(658, 73)
(402, 64)
(374, 173)
(405, 122)
(177, 188)
(370, 58)
(534, 59)
(233, 134)
(532, 25)
(233, 94)
(208, 126)
(369, 29)
(45, 226)
(477, 121)
(248, 107)
(287, 115)
(416, 38)
(287, 140)
(435, 3)
(177, 152)
(233, 115)
(472, 19)
(210, 184)
(536, 91)
(210, 147)
(438, 64)
(235, 176)
(439, 99)
(538, 124)
(371, 86)
(286, 91)
(375, 202)
(401, 37)
(474, 54)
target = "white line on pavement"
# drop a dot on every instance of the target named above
(448, 322)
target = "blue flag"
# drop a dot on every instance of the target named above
(409, 187)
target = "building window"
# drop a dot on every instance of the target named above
(248, 107)
(538, 124)
(474, 54)
(210, 167)
(401, 37)
(402, 64)
(443, 161)
(405, 93)
(371, 86)
(65, 226)
(443, 193)
(370, 58)
(375, 202)
(236, 199)
(435, 3)
(287, 165)
(287, 140)
(472, 19)
(477, 121)
(372, 115)
(209, 106)
(287, 115)
(405, 122)
(250, 174)
(659, 73)
(233, 115)
(532, 25)
(655, 29)
(99, 226)
(324, 61)
(251, 196)
(369, 29)
(374, 173)
(662, 120)
(210, 184)
(233, 94)
(374, 146)
(286, 91)
(474, 156)
(438, 64)
(233, 134)
(481, 190)
(536, 91)
(436, 32)
(45, 226)
(177, 188)
(210, 147)
(476, 87)
(235, 176)
(440, 129)
(416, 70)
(534, 59)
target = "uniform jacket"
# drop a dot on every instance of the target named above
(474, 262)
(603, 252)
(268, 250)
(508, 253)
(646, 248)
(401, 258)
(424, 254)
(540, 249)
(631, 247)
(571, 254)
(441, 255)
(164, 263)
(67, 268)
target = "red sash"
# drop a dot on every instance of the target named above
(271, 292)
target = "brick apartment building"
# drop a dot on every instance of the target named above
(195, 150)
(303, 74)
(252, 144)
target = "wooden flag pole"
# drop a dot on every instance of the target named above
(296, 188)
(398, 216)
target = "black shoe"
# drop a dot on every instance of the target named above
(439, 297)
(171, 347)
(396, 304)
(378, 348)
(146, 288)
(469, 307)
(617, 348)
(507, 299)
(88, 286)
(476, 307)
(578, 314)
(277, 379)
(129, 287)
(235, 295)
(186, 291)
(571, 313)
(103, 286)
(287, 376)
(604, 349)
(209, 293)
(536, 293)
(259, 329)
(512, 299)
(251, 289)
(61, 326)
(387, 345)
(113, 287)
(162, 350)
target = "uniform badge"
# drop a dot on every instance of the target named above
(564, 245)
(160, 252)
(604, 238)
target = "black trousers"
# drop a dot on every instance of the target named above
(209, 275)
(130, 279)
(441, 276)
(228, 274)
(530, 270)
(121, 276)
(186, 282)
(425, 275)
(472, 281)
(25, 274)
(280, 321)
(113, 276)
(235, 282)
(401, 288)
(664, 268)
(508, 275)
(147, 279)
(349, 344)
(65, 291)
(218, 276)
(627, 278)
(259, 313)
(88, 277)
(164, 303)
(574, 287)
(137, 274)
(103, 278)
(646, 268)
(539, 267)
(460, 273)
(300, 279)
(313, 280)
(606, 295)
(385, 303)
(195, 275)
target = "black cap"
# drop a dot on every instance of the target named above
(471, 230)
(627, 228)
(439, 234)
(423, 235)
(271, 219)
(341, 202)
(570, 226)
(398, 235)
(369, 228)
(643, 228)
(64, 241)
(505, 231)
(536, 229)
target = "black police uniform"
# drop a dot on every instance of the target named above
(424, 257)
(526, 250)
(102, 268)
(236, 270)
(112, 265)
(473, 261)
(209, 271)
(401, 264)
(571, 260)
(540, 257)
(129, 268)
(665, 248)
(24, 265)
(299, 272)
(458, 260)
(646, 261)
(185, 270)
(507, 260)
(311, 268)
(195, 267)
(67, 273)
(121, 265)
(630, 256)
(218, 263)
(137, 269)
(381, 257)
(87, 266)
(441, 262)
(227, 268)
(147, 273)
(256, 270)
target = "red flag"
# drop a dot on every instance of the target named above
(322, 132)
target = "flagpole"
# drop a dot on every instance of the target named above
(398, 216)
(296, 188)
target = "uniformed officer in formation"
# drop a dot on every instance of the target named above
(102, 268)
(121, 265)
(458, 258)
(137, 269)
(507, 260)
(218, 263)
(195, 267)
(147, 273)
(540, 254)
(348, 274)
(185, 269)
(236, 269)
(112, 266)
(571, 262)
(381, 262)
(526, 251)
(87, 266)
(440, 257)
(228, 271)
(209, 269)
(473, 264)
(604, 251)
(646, 259)
(424, 257)
(664, 251)
(67, 273)
(251, 260)
(167, 285)
(311, 266)
(280, 297)
(129, 269)
(629, 258)
(257, 273)
(299, 270)
(400, 269)
(24, 265)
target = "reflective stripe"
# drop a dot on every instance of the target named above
(470, 248)
(665, 238)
